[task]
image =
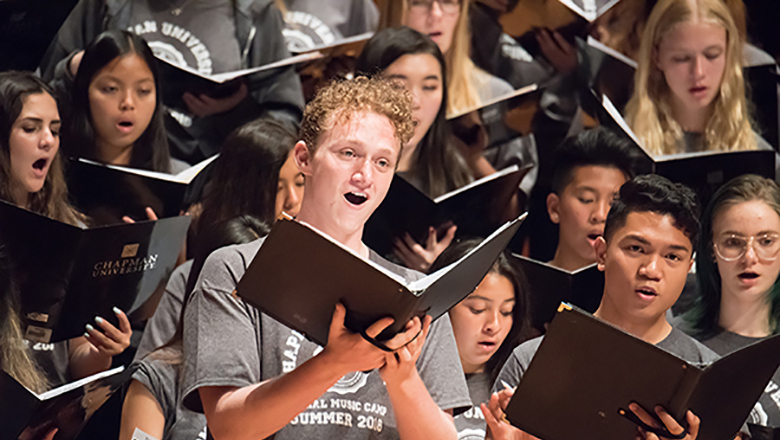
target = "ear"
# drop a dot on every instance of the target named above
(302, 157)
(553, 202)
(655, 60)
(600, 246)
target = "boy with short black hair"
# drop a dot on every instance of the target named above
(645, 253)
(589, 170)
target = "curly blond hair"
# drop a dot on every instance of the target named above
(344, 98)
(649, 112)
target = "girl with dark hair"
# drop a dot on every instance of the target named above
(116, 114)
(737, 267)
(31, 178)
(429, 160)
(268, 185)
(488, 325)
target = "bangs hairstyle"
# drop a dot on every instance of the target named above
(703, 317)
(342, 99)
(439, 165)
(150, 150)
(462, 94)
(649, 112)
(653, 193)
(596, 147)
(52, 200)
(258, 149)
(507, 267)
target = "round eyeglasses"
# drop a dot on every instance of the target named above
(731, 247)
(425, 6)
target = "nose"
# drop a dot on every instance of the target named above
(415, 92)
(127, 101)
(650, 268)
(292, 199)
(600, 211)
(436, 9)
(492, 324)
(750, 258)
(47, 140)
(362, 173)
(698, 67)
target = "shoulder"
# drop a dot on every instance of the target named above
(225, 266)
(687, 348)
(177, 166)
(407, 274)
(512, 372)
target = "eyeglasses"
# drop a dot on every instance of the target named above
(448, 7)
(731, 247)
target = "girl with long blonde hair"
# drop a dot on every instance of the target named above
(689, 92)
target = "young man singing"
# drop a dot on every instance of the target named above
(255, 378)
(645, 253)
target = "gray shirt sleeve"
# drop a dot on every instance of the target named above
(440, 369)
(515, 367)
(162, 325)
(221, 344)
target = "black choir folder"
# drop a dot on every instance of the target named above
(180, 79)
(475, 208)
(106, 193)
(552, 285)
(586, 372)
(274, 282)
(704, 172)
(68, 275)
(758, 432)
(25, 415)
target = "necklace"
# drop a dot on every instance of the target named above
(177, 10)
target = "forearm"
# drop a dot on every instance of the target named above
(85, 360)
(417, 415)
(260, 410)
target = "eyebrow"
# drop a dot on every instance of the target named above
(769, 231)
(487, 299)
(34, 119)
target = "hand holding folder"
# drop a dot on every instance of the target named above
(589, 373)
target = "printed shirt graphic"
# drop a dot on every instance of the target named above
(471, 424)
(201, 37)
(233, 344)
(313, 23)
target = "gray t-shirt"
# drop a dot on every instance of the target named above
(199, 34)
(162, 325)
(230, 343)
(471, 424)
(161, 378)
(312, 23)
(767, 409)
(676, 343)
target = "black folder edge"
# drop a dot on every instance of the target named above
(119, 374)
(415, 288)
(522, 91)
(565, 308)
(185, 177)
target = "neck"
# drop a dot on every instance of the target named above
(568, 260)
(651, 330)
(746, 318)
(20, 196)
(405, 161)
(693, 121)
(114, 156)
(352, 240)
(471, 368)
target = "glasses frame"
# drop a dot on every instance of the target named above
(750, 243)
(444, 10)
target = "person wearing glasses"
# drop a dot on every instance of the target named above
(737, 269)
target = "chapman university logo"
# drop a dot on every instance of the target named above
(471, 434)
(128, 263)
